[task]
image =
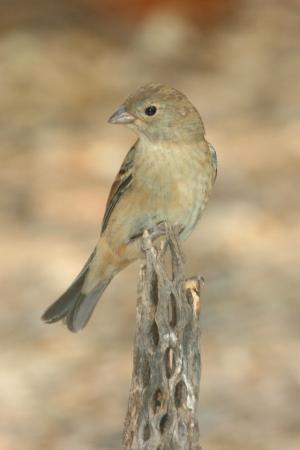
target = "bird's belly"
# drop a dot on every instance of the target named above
(176, 200)
(192, 198)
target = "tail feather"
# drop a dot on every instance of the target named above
(80, 312)
(59, 309)
(75, 307)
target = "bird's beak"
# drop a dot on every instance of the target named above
(121, 116)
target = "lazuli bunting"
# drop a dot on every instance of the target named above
(167, 175)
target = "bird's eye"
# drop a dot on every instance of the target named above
(150, 110)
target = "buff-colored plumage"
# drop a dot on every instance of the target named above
(167, 175)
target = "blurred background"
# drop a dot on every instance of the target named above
(65, 65)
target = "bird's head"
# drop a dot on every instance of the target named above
(159, 112)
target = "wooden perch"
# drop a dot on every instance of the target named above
(163, 401)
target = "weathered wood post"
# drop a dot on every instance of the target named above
(163, 401)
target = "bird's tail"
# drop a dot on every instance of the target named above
(75, 307)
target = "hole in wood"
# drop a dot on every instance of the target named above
(146, 432)
(146, 373)
(180, 394)
(157, 401)
(170, 362)
(163, 424)
(154, 333)
(172, 311)
(154, 288)
(189, 297)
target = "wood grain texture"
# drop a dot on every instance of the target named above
(163, 402)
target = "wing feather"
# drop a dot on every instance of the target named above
(214, 159)
(121, 184)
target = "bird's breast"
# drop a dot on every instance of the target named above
(174, 183)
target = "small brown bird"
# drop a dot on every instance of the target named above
(166, 176)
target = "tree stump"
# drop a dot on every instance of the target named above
(163, 401)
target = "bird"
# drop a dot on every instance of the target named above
(166, 176)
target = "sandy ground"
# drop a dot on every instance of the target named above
(59, 83)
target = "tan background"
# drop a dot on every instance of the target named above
(64, 67)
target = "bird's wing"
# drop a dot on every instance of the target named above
(214, 160)
(122, 182)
